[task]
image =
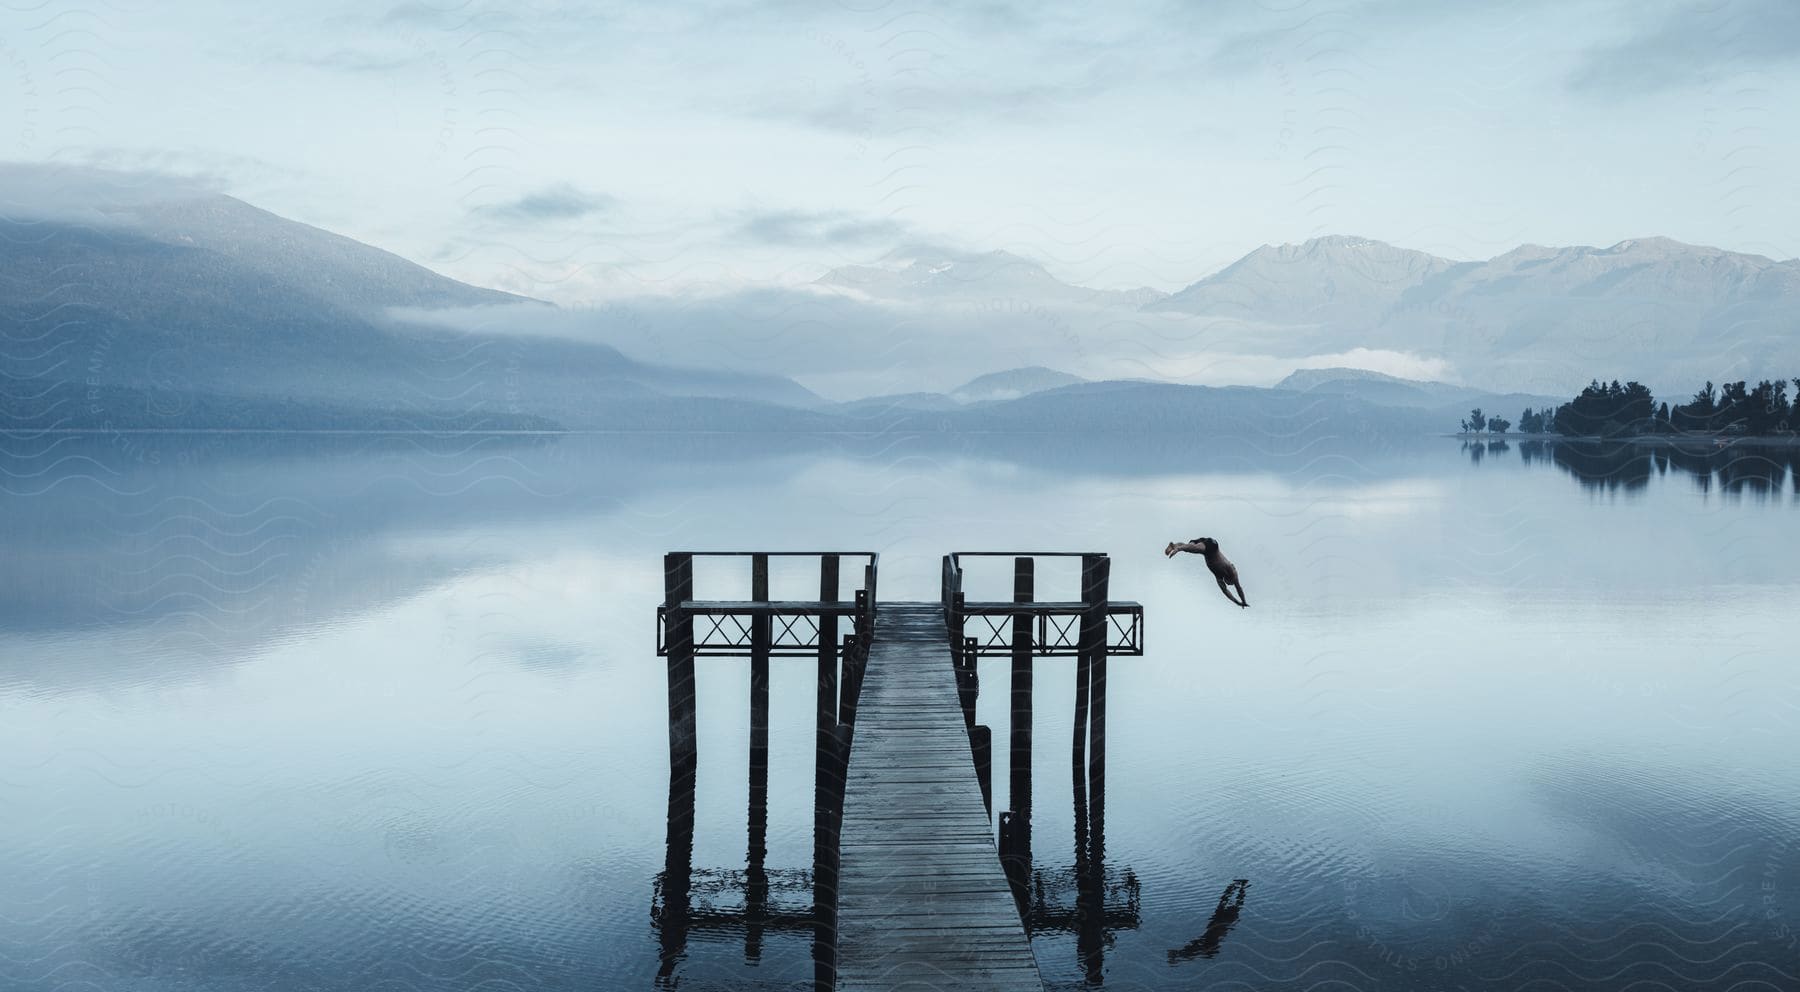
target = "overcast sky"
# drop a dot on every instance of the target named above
(577, 152)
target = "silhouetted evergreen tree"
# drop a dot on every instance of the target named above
(1696, 414)
(1734, 407)
(1616, 410)
(1609, 410)
(1767, 408)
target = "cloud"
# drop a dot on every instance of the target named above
(363, 53)
(89, 194)
(1401, 364)
(552, 203)
(353, 60)
(833, 227)
(415, 13)
(463, 13)
(1692, 44)
(867, 111)
(1340, 27)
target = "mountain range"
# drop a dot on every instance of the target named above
(998, 275)
(128, 306)
(1533, 319)
(145, 308)
(1653, 309)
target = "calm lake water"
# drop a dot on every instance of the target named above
(359, 713)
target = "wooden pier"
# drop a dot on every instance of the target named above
(909, 890)
(922, 901)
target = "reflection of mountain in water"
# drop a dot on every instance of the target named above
(216, 543)
(1758, 470)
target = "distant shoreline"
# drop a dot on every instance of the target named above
(1708, 442)
(1692, 442)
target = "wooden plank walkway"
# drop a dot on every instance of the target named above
(923, 905)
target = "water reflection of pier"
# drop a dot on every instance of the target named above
(914, 899)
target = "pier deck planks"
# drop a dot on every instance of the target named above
(922, 902)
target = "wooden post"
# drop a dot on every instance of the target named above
(1015, 859)
(826, 862)
(678, 587)
(867, 630)
(1018, 795)
(756, 899)
(944, 590)
(970, 682)
(1090, 916)
(1084, 665)
(952, 591)
(981, 742)
(1095, 576)
(677, 878)
(1090, 722)
(851, 688)
(828, 648)
(828, 764)
(962, 658)
(956, 621)
(1085, 944)
(758, 827)
(1078, 752)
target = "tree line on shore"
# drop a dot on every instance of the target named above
(1629, 410)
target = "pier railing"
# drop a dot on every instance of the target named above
(741, 628)
(1050, 628)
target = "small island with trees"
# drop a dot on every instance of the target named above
(1628, 412)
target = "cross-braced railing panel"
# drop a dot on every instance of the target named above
(1057, 628)
(1125, 632)
(725, 631)
(796, 631)
(1059, 633)
(733, 635)
(990, 632)
(741, 628)
(989, 629)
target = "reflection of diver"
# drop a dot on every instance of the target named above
(1223, 919)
